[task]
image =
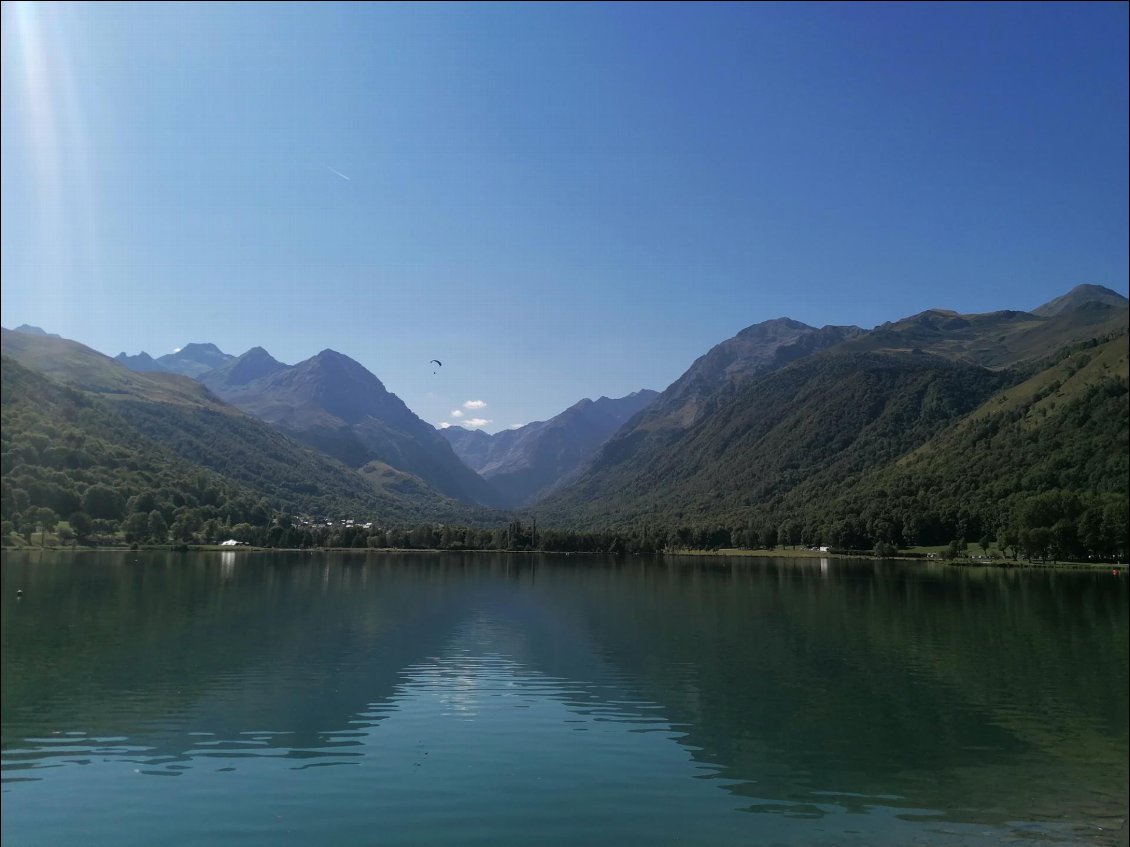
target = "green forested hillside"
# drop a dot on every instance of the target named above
(1043, 464)
(824, 421)
(196, 469)
(857, 449)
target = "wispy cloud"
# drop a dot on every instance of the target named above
(476, 422)
(444, 424)
(516, 426)
(339, 173)
(475, 404)
(456, 413)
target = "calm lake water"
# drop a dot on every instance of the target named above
(262, 699)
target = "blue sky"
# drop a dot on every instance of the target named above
(557, 201)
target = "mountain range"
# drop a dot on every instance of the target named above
(334, 405)
(191, 360)
(527, 463)
(791, 436)
(74, 418)
(832, 430)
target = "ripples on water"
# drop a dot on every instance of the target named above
(481, 701)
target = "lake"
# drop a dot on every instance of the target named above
(483, 699)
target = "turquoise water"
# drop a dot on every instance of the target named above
(260, 699)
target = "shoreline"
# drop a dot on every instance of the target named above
(729, 553)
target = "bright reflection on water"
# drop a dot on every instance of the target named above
(287, 699)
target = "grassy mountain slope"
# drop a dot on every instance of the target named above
(76, 364)
(998, 339)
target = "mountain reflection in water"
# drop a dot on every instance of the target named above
(356, 699)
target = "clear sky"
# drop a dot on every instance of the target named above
(556, 201)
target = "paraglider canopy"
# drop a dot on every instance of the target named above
(439, 364)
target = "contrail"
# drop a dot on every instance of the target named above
(339, 173)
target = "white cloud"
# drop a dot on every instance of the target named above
(475, 404)
(444, 425)
(516, 426)
(456, 413)
(178, 349)
(477, 421)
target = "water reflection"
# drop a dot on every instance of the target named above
(836, 700)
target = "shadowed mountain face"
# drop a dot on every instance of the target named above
(527, 463)
(708, 385)
(473, 446)
(758, 349)
(255, 364)
(141, 363)
(333, 404)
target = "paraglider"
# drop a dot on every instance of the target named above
(439, 364)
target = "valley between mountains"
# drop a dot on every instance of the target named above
(1007, 429)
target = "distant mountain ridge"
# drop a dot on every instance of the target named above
(334, 404)
(142, 363)
(1078, 296)
(76, 364)
(28, 329)
(526, 463)
(1005, 338)
(255, 364)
